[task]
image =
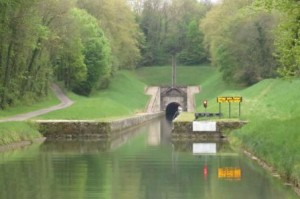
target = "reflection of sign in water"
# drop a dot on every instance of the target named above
(230, 173)
(204, 148)
(204, 126)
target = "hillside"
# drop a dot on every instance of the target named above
(125, 96)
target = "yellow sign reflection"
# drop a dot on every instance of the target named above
(229, 173)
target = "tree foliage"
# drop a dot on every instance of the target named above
(92, 68)
(287, 40)
(118, 23)
(45, 40)
(171, 28)
(241, 41)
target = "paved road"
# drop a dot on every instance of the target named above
(64, 102)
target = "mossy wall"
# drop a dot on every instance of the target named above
(70, 129)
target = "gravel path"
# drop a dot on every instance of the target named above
(64, 102)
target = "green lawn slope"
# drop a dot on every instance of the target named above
(125, 96)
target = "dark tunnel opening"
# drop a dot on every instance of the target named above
(171, 110)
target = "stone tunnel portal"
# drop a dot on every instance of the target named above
(171, 110)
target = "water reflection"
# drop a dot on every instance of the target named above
(144, 165)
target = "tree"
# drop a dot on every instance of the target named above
(167, 26)
(287, 39)
(241, 42)
(194, 52)
(118, 23)
(96, 52)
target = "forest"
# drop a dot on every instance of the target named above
(83, 43)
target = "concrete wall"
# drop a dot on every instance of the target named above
(184, 130)
(153, 105)
(90, 128)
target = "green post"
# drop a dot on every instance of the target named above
(229, 110)
(239, 109)
(220, 110)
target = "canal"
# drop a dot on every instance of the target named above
(141, 164)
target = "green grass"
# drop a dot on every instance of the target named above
(186, 75)
(124, 97)
(12, 132)
(51, 100)
(273, 108)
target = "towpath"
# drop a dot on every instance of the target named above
(64, 102)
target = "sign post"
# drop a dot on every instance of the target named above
(230, 100)
(205, 103)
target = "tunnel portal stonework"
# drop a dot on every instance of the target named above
(173, 95)
(162, 97)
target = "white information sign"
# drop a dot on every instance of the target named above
(204, 148)
(204, 126)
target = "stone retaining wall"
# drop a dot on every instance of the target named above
(90, 128)
(184, 130)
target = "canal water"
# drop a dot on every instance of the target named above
(141, 164)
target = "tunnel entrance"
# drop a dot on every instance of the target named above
(171, 110)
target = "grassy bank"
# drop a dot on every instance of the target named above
(125, 96)
(26, 107)
(273, 108)
(12, 132)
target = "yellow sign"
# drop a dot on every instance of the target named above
(230, 173)
(229, 99)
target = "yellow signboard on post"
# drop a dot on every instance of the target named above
(229, 99)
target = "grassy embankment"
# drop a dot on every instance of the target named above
(11, 132)
(124, 97)
(271, 106)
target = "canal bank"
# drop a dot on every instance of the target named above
(28, 132)
(208, 129)
(187, 126)
(285, 168)
(73, 129)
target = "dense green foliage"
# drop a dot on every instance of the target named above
(44, 40)
(118, 23)
(96, 53)
(254, 39)
(83, 43)
(171, 28)
(241, 41)
(287, 39)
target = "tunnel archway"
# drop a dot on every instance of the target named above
(171, 110)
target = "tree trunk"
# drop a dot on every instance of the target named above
(35, 53)
(6, 76)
